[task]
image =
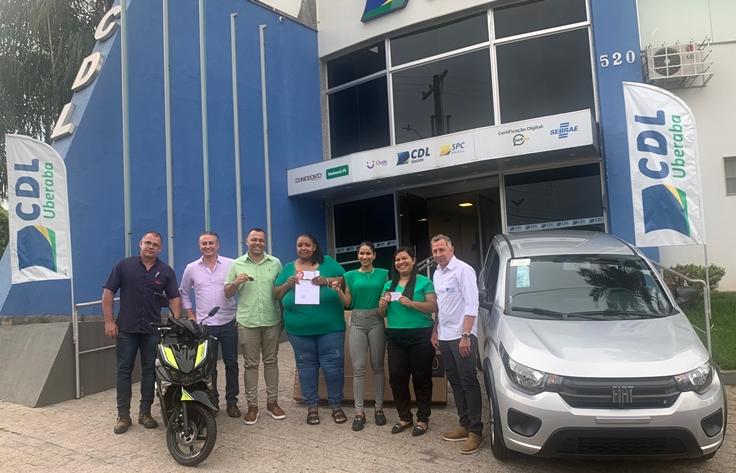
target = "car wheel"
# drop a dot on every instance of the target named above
(498, 446)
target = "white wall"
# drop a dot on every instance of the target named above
(670, 21)
(339, 25)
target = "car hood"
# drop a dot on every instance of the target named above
(604, 349)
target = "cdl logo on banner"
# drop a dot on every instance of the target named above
(416, 155)
(665, 181)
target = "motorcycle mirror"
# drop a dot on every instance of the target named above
(162, 300)
(213, 311)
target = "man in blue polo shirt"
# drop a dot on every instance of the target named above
(138, 278)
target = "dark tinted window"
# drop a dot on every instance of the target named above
(443, 97)
(545, 76)
(439, 39)
(555, 195)
(357, 64)
(537, 15)
(491, 278)
(359, 118)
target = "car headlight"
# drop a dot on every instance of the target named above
(696, 380)
(528, 379)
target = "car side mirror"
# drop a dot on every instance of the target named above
(685, 294)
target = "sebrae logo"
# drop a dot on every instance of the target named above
(36, 247)
(665, 208)
(376, 8)
(564, 130)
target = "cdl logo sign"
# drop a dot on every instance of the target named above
(416, 155)
(376, 8)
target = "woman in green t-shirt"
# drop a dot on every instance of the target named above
(363, 287)
(408, 303)
(316, 331)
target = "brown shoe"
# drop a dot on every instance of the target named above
(472, 445)
(147, 421)
(233, 411)
(457, 435)
(275, 411)
(251, 417)
(122, 424)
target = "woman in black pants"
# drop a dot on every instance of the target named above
(408, 303)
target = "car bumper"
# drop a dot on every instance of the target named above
(672, 432)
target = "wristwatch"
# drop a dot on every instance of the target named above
(465, 334)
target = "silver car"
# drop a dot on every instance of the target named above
(586, 354)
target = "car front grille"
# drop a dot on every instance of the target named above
(618, 446)
(626, 393)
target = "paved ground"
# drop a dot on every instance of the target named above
(77, 436)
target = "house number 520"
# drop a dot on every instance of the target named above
(617, 58)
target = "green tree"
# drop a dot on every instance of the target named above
(3, 230)
(42, 44)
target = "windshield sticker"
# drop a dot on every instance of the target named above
(520, 262)
(522, 276)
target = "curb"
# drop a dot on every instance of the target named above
(729, 377)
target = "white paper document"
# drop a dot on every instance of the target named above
(395, 295)
(305, 292)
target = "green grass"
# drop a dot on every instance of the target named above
(723, 334)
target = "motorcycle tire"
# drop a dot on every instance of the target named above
(193, 447)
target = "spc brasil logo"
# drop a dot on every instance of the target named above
(36, 247)
(564, 130)
(376, 8)
(454, 148)
(416, 155)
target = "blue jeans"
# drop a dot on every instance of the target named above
(128, 345)
(320, 351)
(227, 339)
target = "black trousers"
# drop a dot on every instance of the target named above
(410, 355)
(463, 377)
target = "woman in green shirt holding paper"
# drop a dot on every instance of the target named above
(408, 303)
(363, 288)
(315, 325)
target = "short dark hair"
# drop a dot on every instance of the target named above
(210, 233)
(154, 233)
(255, 229)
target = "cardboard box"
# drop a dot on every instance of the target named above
(439, 380)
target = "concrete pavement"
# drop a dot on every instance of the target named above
(77, 436)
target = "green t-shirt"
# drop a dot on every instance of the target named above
(401, 316)
(366, 288)
(313, 319)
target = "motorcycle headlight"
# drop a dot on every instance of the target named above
(528, 379)
(696, 380)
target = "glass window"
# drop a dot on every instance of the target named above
(441, 97)
(730, 169)
(491, 278)
(537, 15)
(555, 198)
(545, 76)
(439, 39)
(584, 286)
(357, 221)
(357, 64)
(359, 118)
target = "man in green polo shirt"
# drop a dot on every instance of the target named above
(259, 321)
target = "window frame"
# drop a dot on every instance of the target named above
(726, 177)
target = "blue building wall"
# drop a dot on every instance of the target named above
(93, 154)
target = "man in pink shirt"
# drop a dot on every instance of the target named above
(206, 276)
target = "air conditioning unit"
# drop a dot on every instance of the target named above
(678, 65)
(678, 60)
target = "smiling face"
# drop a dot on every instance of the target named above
(150, 246)
(304, 247)
(209, 245)
(442, 252)
(256, 242)
(366, 256)
(404, 263)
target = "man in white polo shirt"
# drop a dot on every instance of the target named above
(455, 333)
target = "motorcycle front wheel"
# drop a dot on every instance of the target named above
(191, 445)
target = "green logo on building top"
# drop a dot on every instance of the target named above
(376, 8)
(338, 171)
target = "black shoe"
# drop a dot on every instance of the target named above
(358, 422)
(233, 411)
(380, 418)
(399, 427)
(122, 425)
(147, 421)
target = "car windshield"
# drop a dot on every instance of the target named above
(584, 287)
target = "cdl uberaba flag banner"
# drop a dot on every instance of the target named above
(665, 175)
(40, 243)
